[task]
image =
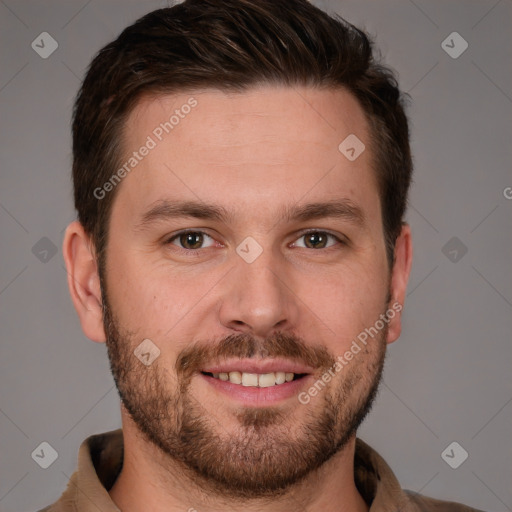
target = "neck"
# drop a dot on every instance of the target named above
(150, 480)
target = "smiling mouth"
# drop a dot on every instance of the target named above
(259, 380)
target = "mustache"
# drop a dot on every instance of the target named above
(241, 346)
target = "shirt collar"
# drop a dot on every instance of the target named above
(100, 460)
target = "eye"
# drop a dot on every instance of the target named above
(192, 240)
(317, 240)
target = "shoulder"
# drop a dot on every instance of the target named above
(419, 503)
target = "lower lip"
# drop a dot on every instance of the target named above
(254, 396)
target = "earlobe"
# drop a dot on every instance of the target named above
(83, 280)
(399, 279)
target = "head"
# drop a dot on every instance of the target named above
(220, 217)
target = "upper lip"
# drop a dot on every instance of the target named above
(258, 366)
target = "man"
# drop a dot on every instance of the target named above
(240, 171)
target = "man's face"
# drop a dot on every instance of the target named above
(246, 280)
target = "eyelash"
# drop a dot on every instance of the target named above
(302, 235)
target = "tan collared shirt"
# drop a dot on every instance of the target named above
(100, 460)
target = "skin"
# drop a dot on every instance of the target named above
(254, 154)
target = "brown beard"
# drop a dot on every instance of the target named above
(262, 459)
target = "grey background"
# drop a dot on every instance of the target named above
(447, 378)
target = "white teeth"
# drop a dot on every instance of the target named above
(266, 380)
(281, 377)
(262, 380)
(235, 377)
(249, 379)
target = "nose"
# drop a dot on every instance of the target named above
(258, 299)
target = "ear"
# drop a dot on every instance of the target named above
(84, 281)
(399, 279)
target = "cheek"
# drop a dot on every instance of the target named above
(348, 302)
(137, 298)
(155, 301)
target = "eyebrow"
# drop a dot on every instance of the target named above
(164, 210)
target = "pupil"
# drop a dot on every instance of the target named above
(316, 240)
(192, 240)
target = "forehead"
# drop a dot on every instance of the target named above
(230, 119)
(262, 147)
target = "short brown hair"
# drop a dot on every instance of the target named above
(232, 45)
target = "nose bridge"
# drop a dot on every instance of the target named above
(257, 299)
